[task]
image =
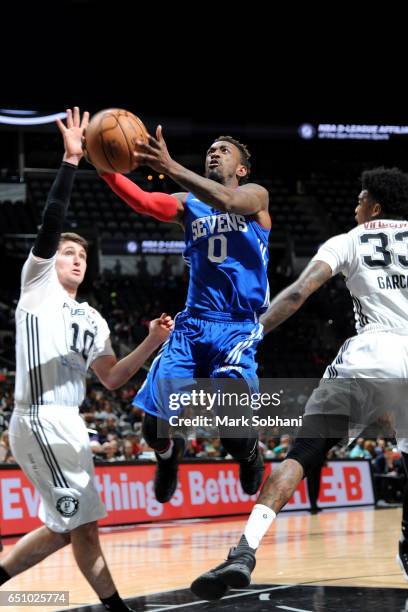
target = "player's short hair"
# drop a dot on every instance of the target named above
(72, 237)
(388, 187)
(244, 153)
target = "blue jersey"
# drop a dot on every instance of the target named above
(228, 258)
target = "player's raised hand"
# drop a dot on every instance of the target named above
(72, 134)
(155, 153)
(160, 328)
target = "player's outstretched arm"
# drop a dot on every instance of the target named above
(288, 301)
(161, 206)
(113, 373)
(250, 199)
(48, 237)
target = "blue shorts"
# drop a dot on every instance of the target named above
(202, 345)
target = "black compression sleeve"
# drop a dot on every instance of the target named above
(48, 237)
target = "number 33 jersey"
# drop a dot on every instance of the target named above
(373, 257)
(57, 339)
(228, 258)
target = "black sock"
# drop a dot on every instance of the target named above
(114, 603)
(243, 545)
(4, 576)
(252, 455)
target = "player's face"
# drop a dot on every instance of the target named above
(71, 265)
(223, 162)
(366, 208)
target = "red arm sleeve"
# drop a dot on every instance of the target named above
(161, 206)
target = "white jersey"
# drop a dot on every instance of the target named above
(57, 339)
(373, 257)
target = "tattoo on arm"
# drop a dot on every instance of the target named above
(291, 299)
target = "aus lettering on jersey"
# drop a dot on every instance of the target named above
(218, 224)
(80, 312)
(75, 312)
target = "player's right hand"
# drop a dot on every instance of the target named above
(160, 328)
(72, 134)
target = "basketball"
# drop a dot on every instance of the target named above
(111, 140)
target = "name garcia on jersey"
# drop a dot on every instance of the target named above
(393, 281)
(218, 224)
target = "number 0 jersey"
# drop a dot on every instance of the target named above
(228, 258)
(374, 259)
(57, 339)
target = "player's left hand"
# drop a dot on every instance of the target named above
(72, 134)
(160, 328)
(155, 153)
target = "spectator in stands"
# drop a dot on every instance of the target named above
(6, 455)
(358, 452)
(270, 448)
(213, 448)
(109, 450)
(190, 449)
(111, 425)
(128, 454)
(282, 449)
(369, 449)
(4, 421)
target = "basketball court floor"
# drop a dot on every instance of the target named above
(341, 560)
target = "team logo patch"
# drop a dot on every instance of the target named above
(67, 506)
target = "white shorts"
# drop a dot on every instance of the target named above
(51, 445)
(367, 381)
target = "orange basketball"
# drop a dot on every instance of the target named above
(110, 140)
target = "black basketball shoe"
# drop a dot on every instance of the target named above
(234, 572)
(165, 478)
(251, 472)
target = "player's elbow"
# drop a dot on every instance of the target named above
(110, 386)
(228, 202)
(296, 297)
(298, 292)
(110, 382)
(115, 384)
(228, 207)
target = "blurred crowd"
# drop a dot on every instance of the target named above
(115, 431)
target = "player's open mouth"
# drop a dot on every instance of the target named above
(213, 164)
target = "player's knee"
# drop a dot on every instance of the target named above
(318, 434)
(63, 538)
(86, 528)
(309, 452)
(86, 534)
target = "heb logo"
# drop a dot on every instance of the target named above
(342, 484)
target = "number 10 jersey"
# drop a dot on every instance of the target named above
(57, 339)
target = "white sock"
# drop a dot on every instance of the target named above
(167, 453)
(258, 524)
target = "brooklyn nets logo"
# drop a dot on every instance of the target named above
(67, 506)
